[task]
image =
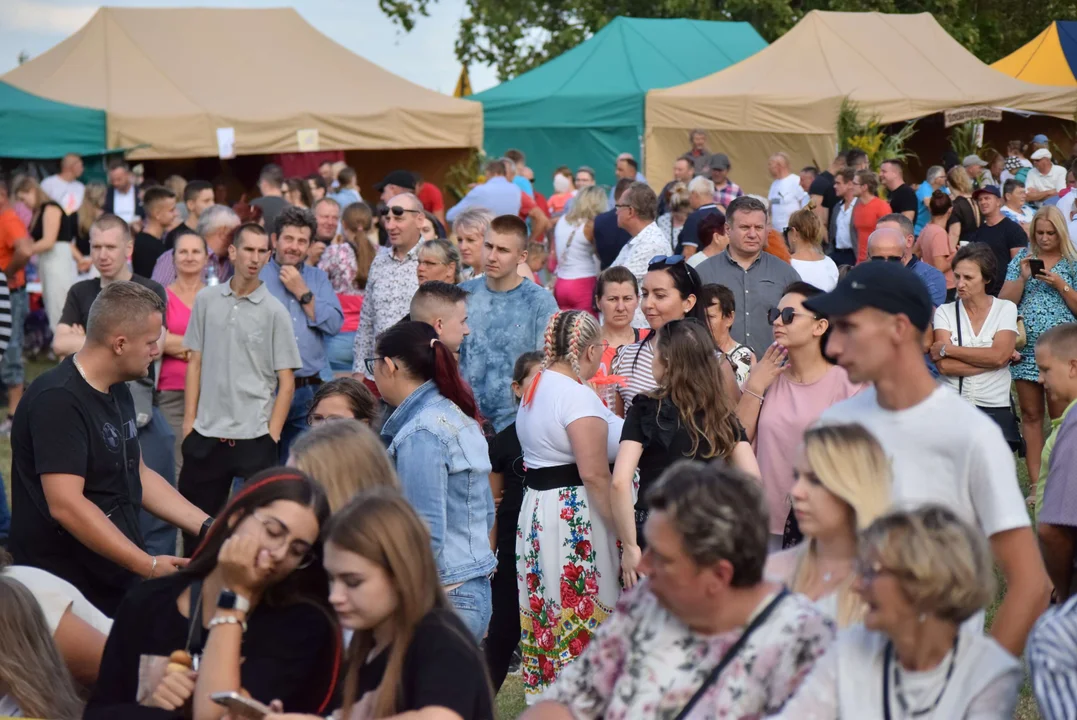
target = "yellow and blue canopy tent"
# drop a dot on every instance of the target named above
(1048, 59)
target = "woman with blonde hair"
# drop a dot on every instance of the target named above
(1044, 299)
(410, 654)
(574, 251)
(51, 233)
(438, 260)
(92, 207)
(921, 574)
(34, 682)
(804, 237)
(964, 215)
(345, 457)
(672, 221)
(842, 485)
(470, 228)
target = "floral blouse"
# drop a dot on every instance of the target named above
(338, 262)
(643, 662)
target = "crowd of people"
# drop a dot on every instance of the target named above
(687, 454)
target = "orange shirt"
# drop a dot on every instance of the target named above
(776, 246)
(865, 216)
(11, 230)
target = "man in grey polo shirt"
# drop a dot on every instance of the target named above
(243, 350)
(756, 278)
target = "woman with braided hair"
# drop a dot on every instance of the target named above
(566, 555)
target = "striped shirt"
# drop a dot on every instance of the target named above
(5, 314)
(1052, 660)
(633, 362)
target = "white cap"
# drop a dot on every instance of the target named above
(1041, 153)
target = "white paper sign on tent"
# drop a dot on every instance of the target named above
(307, 140)
(226, 143)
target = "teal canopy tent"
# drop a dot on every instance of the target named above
(585, 106)
(33, 128)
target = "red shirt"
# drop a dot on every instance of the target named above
(430, 196)
(11, 230)
(865, 217)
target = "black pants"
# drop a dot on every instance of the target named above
(503, 633)
(210, 464)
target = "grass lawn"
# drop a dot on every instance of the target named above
(510, 701)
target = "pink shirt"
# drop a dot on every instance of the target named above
(934, 242)
(789, 409)
(174, 370)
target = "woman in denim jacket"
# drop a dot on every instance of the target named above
(442, 459)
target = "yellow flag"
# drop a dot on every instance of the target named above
(463, 84)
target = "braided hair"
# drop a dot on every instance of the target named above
(568, 334)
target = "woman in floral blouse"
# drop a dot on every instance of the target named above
(347, 263)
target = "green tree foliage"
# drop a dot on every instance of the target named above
(516, 35)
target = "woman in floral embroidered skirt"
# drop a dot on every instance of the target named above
(566, 556)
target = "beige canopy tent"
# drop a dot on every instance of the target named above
(168, 79)
(787, 96)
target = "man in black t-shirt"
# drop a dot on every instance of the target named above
(821, 191)
(1001, 234)
(78, 480)
(901, 197)
(160, 207)
(271, 185)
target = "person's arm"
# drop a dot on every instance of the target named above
(68, 339)
(539, 224)
(956, 368)
(1033, 195)
(911, 214)
(174, 346)
(1060, 286)
(282, 403)
(588, 436)
(623, 508)
(548, 710)
(324, 312)
(163, 501)
(1027, 588)
(50, 229)
(81, 646)
(763, 373)
(21, 252)
(743, 458)
(364, 335)
(817, 695)
(816, 204)
(497, 491)
(989, 358)
(192, 388)
(424, 478)
(1057, 544)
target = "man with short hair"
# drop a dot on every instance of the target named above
(393, 278)
(64, 187)
(159, 206)
(683, 172)
(519, 168)
(501, 196)
(705, 584)
(842, 231)
(636, 214)
(197, 198)
(821, 194)
(1004, 236)
(240, 375)
(701, 200)
(942, 448)
(901, 197)
(757, 279)
(698, 153)
(725, 190)
(1045, 180)
(508, 317)
(122, 196)
(327, 221)
(807, 175)
(869, 209)
(216, 225)
(785, 196)
(16, 249)
(310, 302)
(348, 190)
(609, 237)
(271, 187)
(442, 306)
(585, 177)
(977, 170)
(78, 477)
(395, 183)
(857, 160)
(892, 241)
(325, 169)
(935, 179)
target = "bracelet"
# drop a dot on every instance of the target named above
(153, 568)
(227, 620)
(755, 395)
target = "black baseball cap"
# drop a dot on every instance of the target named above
(401, 178)
(987, 190)
(890, 287)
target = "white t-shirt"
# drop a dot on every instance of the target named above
(68, 194)
(823, 274)
(786, 197)
(575, 255)
(1055, 179)
(1067, 206)
(991, 388)
(55, 595)
(123, 204)
(542, 425)
(943, 451)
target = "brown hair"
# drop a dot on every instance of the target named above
(93, 200)
(808, 226)
(119, 306)
(939, 204)
(358, 218)
(360, 400)
(28, 184)
(869, 180)
(345, 457)
(510, 225)
(982, 256)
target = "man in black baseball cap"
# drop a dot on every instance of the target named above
(395, 183)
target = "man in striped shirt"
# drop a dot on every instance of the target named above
(1052, 660)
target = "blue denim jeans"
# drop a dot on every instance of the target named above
(296, 424)
(12, 367)
(5, 514)
(341, 351)
(158, 444)
(473, 602)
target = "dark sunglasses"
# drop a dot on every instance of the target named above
(397, 211)
(885, 258)
(786, 314)
(659, 261)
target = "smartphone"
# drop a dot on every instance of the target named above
(1035, 265)
(240, 706)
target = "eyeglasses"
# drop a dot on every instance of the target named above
(885, 258)
(277, 533)
(659, 261)
(432, 263)
(398, 211)
(622, 205)
(314, 419)
(370, 363)
(786, 314)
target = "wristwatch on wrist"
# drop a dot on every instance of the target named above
(229, 600)
(306, 297)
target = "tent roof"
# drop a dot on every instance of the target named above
(797, 83)
(37, 128)
(618, 64)
(1048, 59)
(170, 77)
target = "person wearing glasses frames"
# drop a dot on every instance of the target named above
(250, 612)
(893, 241)
(922, 574)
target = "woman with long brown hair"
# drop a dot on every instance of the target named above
(688, 416)
(410, 651)
(51, 233)
(345, 457)
(347, 263)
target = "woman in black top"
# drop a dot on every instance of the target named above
(965, 216)
(688, 415)
(410, 650)
(50, 229)
(263, 550)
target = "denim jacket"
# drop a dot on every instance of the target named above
(443, 462)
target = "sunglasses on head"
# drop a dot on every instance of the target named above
(397, 211)
(885, 258)
(659, 261)
(786, 314)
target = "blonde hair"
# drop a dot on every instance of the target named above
(93, 200)
(958, 179)
(679, 198)
(808, 226)
(31, 668)
(568, 334)
(851, 464)
(589, 202)
(345, 457)
(1053, 215)
(942, 563)
(29, 184)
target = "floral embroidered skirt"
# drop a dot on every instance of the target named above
(568, 576)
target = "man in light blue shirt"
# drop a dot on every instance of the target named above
(497, 194)
(934, 180)
(893, 238)
(315, 311)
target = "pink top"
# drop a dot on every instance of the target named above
(935, 242)
(789, 409)
(174, 370)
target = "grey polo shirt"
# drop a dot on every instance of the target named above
(755, 290)
(244, 341)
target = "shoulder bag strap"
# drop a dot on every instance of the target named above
(957, 315)
(732, 653)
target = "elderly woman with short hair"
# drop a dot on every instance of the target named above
(439, 259)
(470, 229)
(922, 574)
